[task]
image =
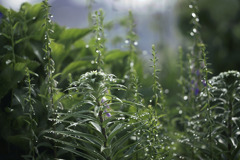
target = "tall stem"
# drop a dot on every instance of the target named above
(103, 130)
(230, 127)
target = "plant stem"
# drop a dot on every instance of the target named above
(230, 127)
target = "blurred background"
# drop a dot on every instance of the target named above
(155, 20)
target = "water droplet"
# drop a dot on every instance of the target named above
(92, 62)
(166, 91)
(33, 18)
(185, 98)
(51, 16)
(194, 30)
(192, 34)
(135, 43)
(126, 41)
(97, 51)
(131, 64)
(8, 61)
(180, 111)
(197, 19)
(87, 46)
(190, 6)
(194, 15)
(98, 38)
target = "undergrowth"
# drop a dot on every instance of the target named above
(63, 97)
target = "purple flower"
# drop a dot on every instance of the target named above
(1, 15)
(104, 99)
(204, 83)
(198, 73)
(196, 91)
(107, 113)
(192, 81)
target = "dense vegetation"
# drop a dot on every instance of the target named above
(65, 97)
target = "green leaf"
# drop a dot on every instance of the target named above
(96, 126)
(8, 47)
(68, 36)
(9, 77)
(114, 132)
(20, 99)
(15, 26)
(78, 153)
(22, 39)
(58, 52)
(115, 55)
(18, 140)
(73, 67)
(5, 35)
(121, 140)
(32, 11)
(89, 137)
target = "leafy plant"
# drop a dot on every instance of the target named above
(65, 98)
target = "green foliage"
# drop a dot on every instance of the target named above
(65, 98)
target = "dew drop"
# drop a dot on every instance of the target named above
(98, 38)
(126, 41)
(180, 111)
(135, 43)
(190, 6)
(194, 30)
(92, 62)
(131, 64)
(197, 19)
(87, 46)
(192, 34)
(8, 61)
(185, 98)
(166, 91)
(194, 15)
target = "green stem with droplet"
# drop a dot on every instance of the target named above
(99, 39)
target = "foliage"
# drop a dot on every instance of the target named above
(65, 98)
